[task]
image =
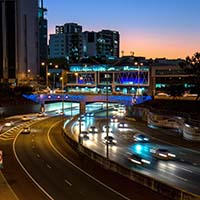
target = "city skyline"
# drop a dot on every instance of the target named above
(149, 28)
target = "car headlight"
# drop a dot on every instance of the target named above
(171, 155)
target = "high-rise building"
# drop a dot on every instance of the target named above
(78, 44)
(73, 42)
(57, 45)
(89, 44)
(59, 29)
(19, 59)
(67, 42)
(43, 32)
(108, 44)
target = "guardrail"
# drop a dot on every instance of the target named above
(155, 185)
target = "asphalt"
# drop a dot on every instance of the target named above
(167, 135)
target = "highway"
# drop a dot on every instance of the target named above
(49, 161)
(39, 155)
(182, 171)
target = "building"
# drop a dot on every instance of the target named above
(59, 29)
(43, 32)
(73, 42)
(67, 39)
(56, 45)
(89, 44)
(77, 44)
(19, 57)
(108, 44)
(167, 75)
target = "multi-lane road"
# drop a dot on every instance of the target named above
(61, 173)
(183, 171)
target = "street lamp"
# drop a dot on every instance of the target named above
(107, 128)
(46, 73)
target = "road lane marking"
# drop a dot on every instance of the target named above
(9, 187)
(67, 160)
(68, 183)
(36, 183)
(49, 166)
(179, 177)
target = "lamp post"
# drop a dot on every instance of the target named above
(107, 128)
(46, 64)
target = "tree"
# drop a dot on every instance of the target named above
(191, 66)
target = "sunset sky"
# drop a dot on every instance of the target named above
(150, 28)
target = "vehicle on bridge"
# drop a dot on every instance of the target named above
(26, 130)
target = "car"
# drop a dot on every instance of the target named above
(121, 110)
(81, 118)
(105, 128)
(137, 159)
(93, 129)
(163, 154)
(114, 119)
(140, 138)
(122, 125)
(109, 140)
(9, 124)
(163, 94)
(25, 118)
(41, 114)
(89, 114)
(26, 130)
(84, 135)
(190, 95)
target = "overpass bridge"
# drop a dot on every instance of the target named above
(83, 99)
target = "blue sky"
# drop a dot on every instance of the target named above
(150, 28)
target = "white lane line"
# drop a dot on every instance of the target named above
(187, 170)
(9, 187)
(38, 155)
(179, 177)
(90, 176)
(68, 183)
(36, 183)
(49, 166)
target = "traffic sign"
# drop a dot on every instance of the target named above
(1, 159)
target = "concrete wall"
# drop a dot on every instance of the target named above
(189, 130)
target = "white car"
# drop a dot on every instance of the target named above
(25, 118)
(114, 119)
(137, 159)
(84, 135)
(109, 140)
(8, 124)
(140, 138)
(93, 129)
(163, 154)
(105, 128)
(26, 130)
(163, 94)
(41, 114)
(122, 125)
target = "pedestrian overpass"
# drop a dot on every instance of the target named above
(83, 99)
